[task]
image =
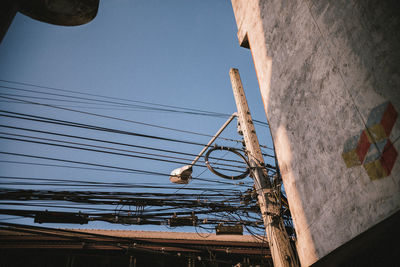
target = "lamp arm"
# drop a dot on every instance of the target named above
(213, 139)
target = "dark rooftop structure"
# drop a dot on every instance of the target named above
(40, 246)
(58, 12)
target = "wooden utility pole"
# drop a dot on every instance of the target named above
(281, 250)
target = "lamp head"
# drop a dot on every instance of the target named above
(181, 175)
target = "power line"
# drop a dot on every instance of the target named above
(116, 98)
(91, 127)
(172, 108)
(108, 152)
(102, 166)
(114, 118)
(108, 142)
(116, 184)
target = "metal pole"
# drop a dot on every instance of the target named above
(281, 250)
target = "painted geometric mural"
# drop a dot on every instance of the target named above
(372, 147)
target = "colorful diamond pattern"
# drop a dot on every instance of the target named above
(372, 147)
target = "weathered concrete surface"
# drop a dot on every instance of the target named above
(325, 68)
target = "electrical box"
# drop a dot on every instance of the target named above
(60, 217)
(222, 229)
(183, 221)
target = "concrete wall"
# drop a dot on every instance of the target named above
(329, 78)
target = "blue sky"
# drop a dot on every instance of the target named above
(175, 53)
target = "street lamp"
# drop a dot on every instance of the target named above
(183, 174)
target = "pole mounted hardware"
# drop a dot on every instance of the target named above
(183, 220)
(183, 174)
(230, 149)
(60, 217)
(222, 229)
